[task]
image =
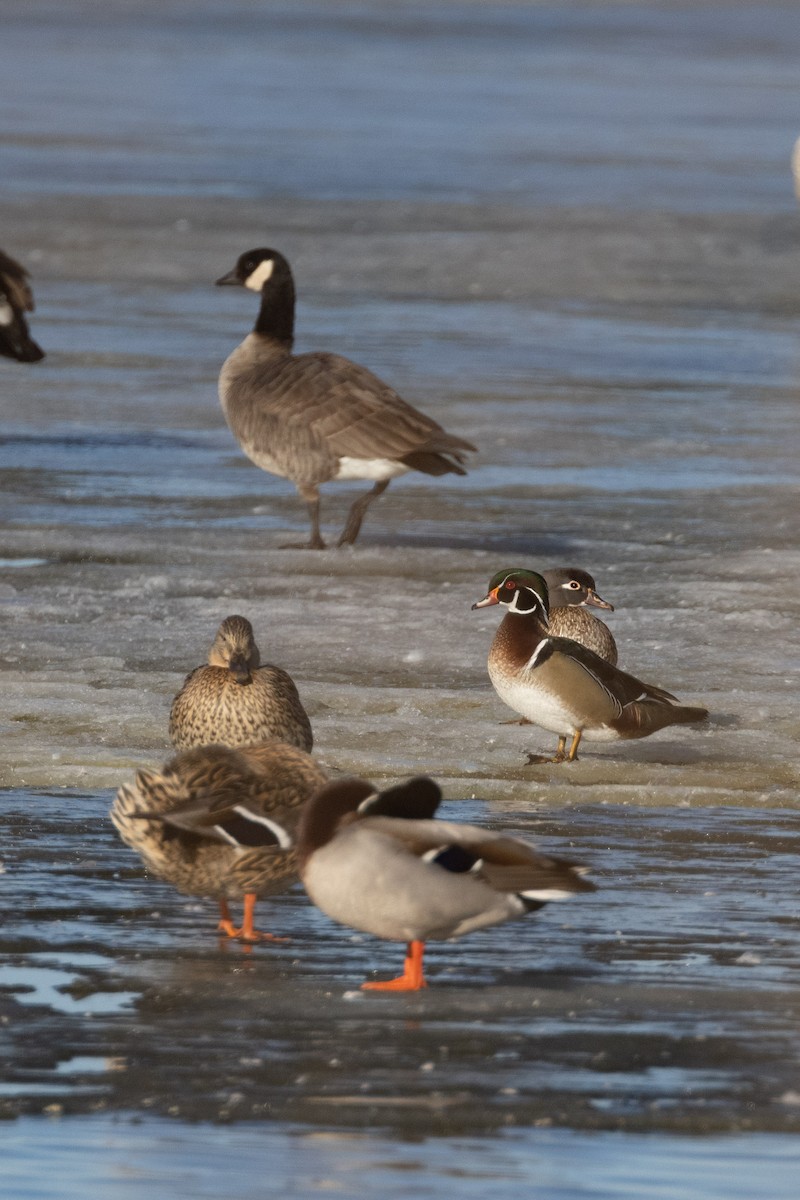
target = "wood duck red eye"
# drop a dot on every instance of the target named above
(509, 583)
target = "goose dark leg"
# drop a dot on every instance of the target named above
(412, 978)
(315, 542)
(358, 511)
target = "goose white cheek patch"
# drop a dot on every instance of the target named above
(256, 280)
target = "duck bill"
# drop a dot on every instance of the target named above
(487, 600)
(240, 670)
(229, 280)
(598, 601)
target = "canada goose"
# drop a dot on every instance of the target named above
(16, 299)
(316, 417)
(234, 700)
(560, 685)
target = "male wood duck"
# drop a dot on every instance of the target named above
(562, 686)
(16, 299)
(570, 590)
(234, 701)
(220, 822)
(379, 862)
(317, 417)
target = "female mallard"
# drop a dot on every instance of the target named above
(236, 702)
(219, 822)
(380, 863)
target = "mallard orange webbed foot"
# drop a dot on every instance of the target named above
(412, 978)
(247, 932)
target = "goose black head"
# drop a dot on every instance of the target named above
(257, 270)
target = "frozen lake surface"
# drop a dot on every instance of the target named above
(567, 231)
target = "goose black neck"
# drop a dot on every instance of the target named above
(276, 315)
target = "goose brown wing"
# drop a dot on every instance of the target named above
(620, 686)
(359, 416)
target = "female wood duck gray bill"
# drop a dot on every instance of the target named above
(220, 822)
(379, 862)
(562, 686)
(312, 418)
(16, 299)
(570, 590)
(235, 701)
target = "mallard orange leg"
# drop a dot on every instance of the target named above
(247, 932)
(412, 978)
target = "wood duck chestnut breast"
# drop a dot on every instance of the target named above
(562, 686)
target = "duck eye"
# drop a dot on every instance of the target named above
(509, 583)
(573, 583)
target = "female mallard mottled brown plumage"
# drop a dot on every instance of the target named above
(234, 701)
(219, 822)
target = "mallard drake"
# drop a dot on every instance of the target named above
(379, 862)
(312, 418)
(16, 299)
(570, 590)
(219, 822)
(562, 686)
(235, 701)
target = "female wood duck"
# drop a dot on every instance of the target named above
(562, 686)
(570, 590)
(16, 299)
(316, 417)
(380, 863)
(234, 701)
(220, 822)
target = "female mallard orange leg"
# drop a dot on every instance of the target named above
(248, 932)
(412, 978)
(561, 754)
